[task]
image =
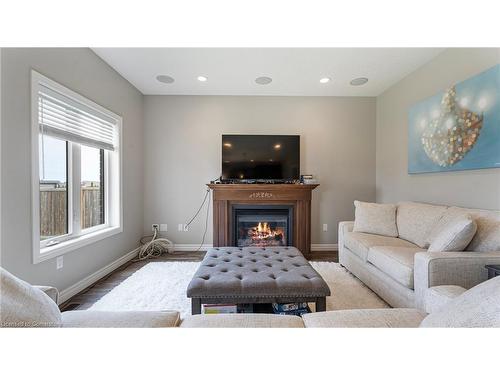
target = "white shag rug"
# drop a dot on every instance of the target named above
(163, 285)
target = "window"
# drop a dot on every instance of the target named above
(77, 170)
(53, 171)
(92, 187)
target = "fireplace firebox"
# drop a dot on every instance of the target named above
(262, 225)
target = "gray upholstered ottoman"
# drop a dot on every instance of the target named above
(256, 275)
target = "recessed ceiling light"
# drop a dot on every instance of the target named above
(263, 80)
(228, 144)
(359, 81)
(324, 80)
(165, 79)
(277, 146)
(202, 79)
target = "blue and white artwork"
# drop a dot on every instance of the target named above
(458, 128)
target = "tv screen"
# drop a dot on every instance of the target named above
(260, 157)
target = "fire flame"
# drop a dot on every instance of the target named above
(263, 232)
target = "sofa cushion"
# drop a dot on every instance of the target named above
(22, 305)
(487, 237)
(416, 220)
(120, 319)
(477, 307)
(454, 235)
(242, 321)
(359, 243)
(394, 261)
(375, 218)
(364, 318)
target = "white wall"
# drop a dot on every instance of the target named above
(183, 153)
(82, 71)
(474, 188)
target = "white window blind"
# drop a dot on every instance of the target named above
(62, 117)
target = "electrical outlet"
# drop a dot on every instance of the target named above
(155, 226)
(186, 228)
(325, 227)
(59, 262)
(180, 227)
(163, 227)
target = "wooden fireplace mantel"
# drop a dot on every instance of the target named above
(297, 195)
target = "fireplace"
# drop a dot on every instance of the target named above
(295, 198)
(262, 225)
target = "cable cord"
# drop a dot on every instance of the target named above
(199, 209)
(206, 227)
(154, 247)
(207, 194)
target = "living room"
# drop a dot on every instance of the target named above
(249, 185)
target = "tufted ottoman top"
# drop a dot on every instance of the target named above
(256, 272)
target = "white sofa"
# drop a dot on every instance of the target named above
(401, 270)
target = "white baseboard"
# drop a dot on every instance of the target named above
(191, 247)
(324, 247)
(314, 247)
(96, 276)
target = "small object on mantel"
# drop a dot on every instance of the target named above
(308, 179)
(493, 270)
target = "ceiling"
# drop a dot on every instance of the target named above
(294, 71)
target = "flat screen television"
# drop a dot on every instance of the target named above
(260, 158)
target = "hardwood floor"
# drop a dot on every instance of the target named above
(92, 294)
(325, 256)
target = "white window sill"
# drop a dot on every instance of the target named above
(40, 255)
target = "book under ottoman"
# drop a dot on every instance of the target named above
(256, 275)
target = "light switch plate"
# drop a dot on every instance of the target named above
(325, 227)
(180, 227)
(163, 227)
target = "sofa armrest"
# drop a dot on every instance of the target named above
(464, 268)
(344, 227)
(52, 292)
(120, 319)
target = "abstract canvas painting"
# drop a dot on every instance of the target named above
(458, 128)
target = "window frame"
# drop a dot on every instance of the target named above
(113, 195)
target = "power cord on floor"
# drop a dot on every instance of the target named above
(154, 246)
